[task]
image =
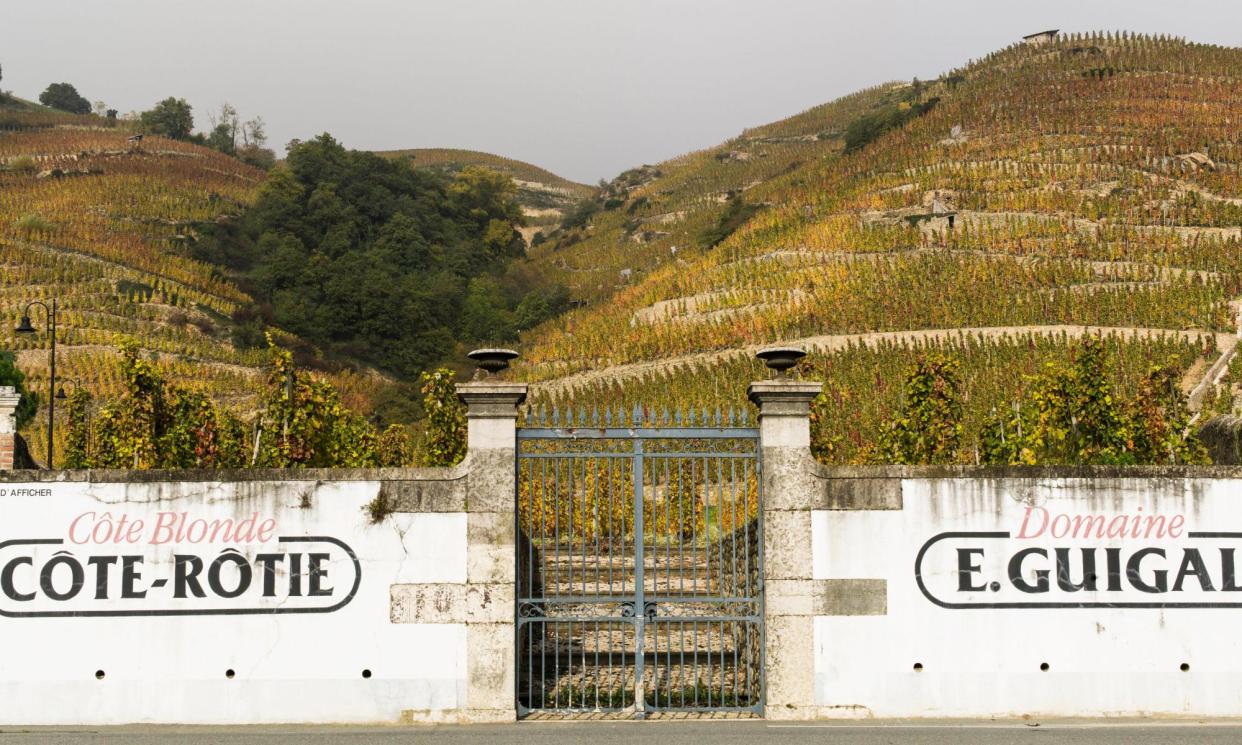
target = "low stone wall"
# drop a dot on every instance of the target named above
(226, 597)
(965, 592)
(388, 595)
(245, 597)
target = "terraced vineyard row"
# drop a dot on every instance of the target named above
(1092, 182)
(103, 225)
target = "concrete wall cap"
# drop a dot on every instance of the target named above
(783, 390)
(487, 387)
(225, 475)
(483, 395)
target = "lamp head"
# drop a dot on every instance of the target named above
(25, 327)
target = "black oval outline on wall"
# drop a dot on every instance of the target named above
(190, 611)
(918, 577)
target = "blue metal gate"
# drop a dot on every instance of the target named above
(640, 557)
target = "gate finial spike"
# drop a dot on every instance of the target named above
(594, 416)
(732, 416)
(718, 417)
(556, 416)
(582, 420)
(637, 420)
(677, 417)
(664, 417)
(542, 416)
(608, 417)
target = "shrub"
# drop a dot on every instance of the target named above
(24, 163)
(735, 215)
(445, 443)
(30, 224)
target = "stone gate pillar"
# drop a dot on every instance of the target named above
(9, 399)
(491, 555)
(789, 490)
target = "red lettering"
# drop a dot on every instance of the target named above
(1176, 523)
(1022, 531)
(1064, 526)
(73, 529)
(244, 532)
(202, 531)
(163, 532)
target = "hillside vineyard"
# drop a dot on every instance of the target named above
(1035, 197)
(1000, 215)
(101, 223)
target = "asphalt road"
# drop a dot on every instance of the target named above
(654, 733)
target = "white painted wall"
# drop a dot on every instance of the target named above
(1109, 661)
(296, 667)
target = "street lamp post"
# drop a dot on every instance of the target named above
(25, 327)
(60, 392)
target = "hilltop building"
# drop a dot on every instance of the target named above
(1041, 38)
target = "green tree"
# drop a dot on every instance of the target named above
(223, 135)
(928, 428)
(734, 216)
(65, 97)
(484, 317)
(485, 195)
(445, 440)
(396, 447)
(1160, 426)
(10, 374)
(304, 423)
(77, 438)
(1074, 415)
(157, 425)
(372, 259)
(172, 117)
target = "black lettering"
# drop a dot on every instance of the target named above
(6, 579)
(185, 575)
(1113, 557)
(1015, 571)
(295, 575)
(244, 575)
(1088, 570)
(76, 575)
(129, 574)
(1228, 570)
(317, 572)
(100, 565)
(1192, 566)
(1132, 572)
(268, 563)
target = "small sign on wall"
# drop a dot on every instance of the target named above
(1077, 559)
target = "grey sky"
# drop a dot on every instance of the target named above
(585, 88)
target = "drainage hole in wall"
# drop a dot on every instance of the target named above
(918, 667)
(99, 675)
(1044, 666)
(366, 673)
(1185, 667)
(229, 673)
